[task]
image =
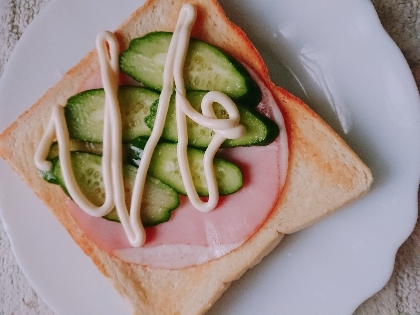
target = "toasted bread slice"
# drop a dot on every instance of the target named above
(323, 173)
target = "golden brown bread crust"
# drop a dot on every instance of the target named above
(323, 173)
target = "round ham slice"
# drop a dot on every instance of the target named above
(191, 237)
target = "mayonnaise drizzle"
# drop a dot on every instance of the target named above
(224, 128)
(108, 51)
(112, 151)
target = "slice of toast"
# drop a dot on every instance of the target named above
(323, 172)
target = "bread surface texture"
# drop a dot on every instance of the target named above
(323, 173)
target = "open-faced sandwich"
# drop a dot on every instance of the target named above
(174, 162)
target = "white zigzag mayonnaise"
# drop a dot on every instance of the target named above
(112, 134)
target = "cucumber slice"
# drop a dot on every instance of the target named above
(164, 166)
(206, 67)
(260, 130)
(158, 199)
(157, 204)
(79, 146)
(85, 113)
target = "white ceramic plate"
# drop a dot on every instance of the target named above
(338, 59)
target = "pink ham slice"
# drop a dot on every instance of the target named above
(191, 237)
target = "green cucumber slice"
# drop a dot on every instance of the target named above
(164, 166)
(260, 130)
(84, 113)
(206, 67)
(79, 146)
(158, 199)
